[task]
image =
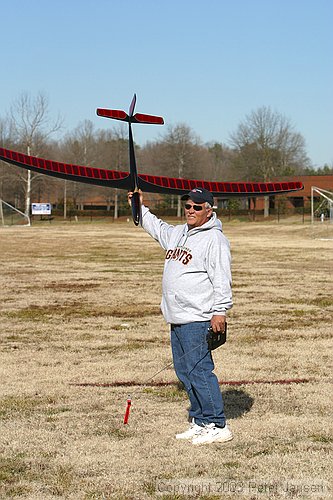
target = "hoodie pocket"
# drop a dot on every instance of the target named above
(200, 304)
(183, 302)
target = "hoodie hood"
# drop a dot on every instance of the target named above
(212, 223)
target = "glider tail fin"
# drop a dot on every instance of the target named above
(132, 106)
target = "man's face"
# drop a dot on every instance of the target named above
(196, 218)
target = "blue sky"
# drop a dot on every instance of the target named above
(206, 63)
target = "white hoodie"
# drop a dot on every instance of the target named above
(197, 277)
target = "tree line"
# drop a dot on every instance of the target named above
(264, 146)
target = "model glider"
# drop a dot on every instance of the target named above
(132, 180)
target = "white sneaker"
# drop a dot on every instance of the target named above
(193, 431)
(212, 434)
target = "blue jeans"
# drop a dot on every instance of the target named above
(194, 367)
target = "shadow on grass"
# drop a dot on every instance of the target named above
(237, 402)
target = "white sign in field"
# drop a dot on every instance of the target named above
(41, 208)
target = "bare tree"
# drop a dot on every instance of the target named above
(219, 162)
(10, 184)
(101, 148)
(180, 146)
(267, 146)
(4, 140)
(113, 153)
(31, 128)
(78, 147)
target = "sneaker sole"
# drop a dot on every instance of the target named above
(212, 441)
(185, 438)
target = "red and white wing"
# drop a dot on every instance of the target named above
(148, 183)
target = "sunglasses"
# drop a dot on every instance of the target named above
(197, 208)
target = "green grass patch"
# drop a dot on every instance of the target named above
(319, 301)
(12, 467)
(121, 347)
(232, 465)
(23, 406)
(13, 470)
(82, 310)
(59, 480)
(321, 438)
(324, 301)
(169, 393)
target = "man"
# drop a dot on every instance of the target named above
(196, 293)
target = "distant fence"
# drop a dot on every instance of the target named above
(300, 215)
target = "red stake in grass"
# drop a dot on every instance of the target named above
(127, 412)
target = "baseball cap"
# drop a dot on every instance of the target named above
(199, 195)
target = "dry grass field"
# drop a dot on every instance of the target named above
(79, 306)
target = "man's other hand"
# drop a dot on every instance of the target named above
(218, 323)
